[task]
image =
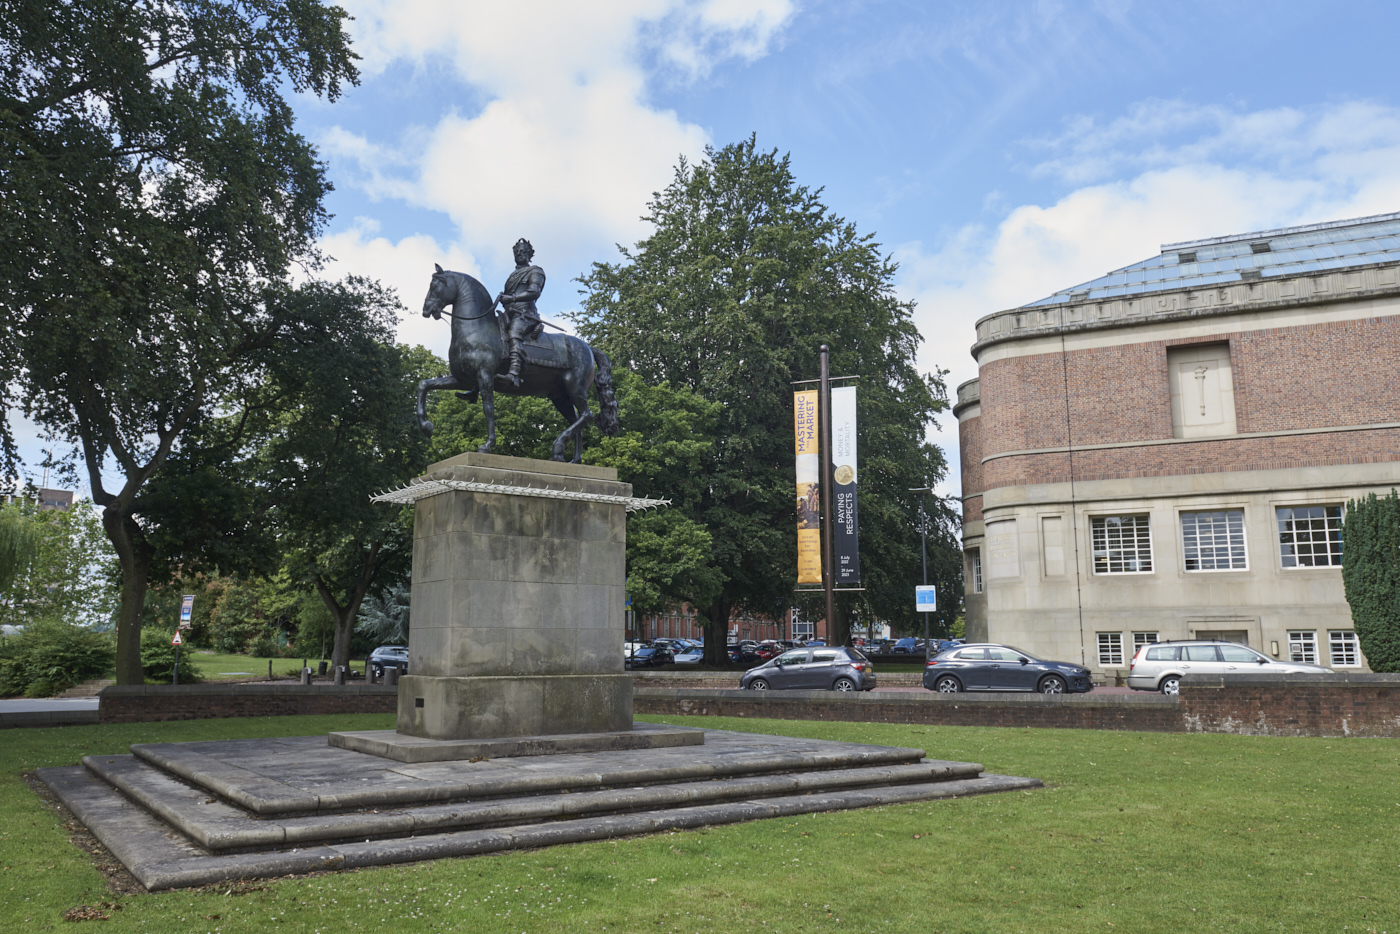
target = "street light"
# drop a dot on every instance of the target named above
(923, 548)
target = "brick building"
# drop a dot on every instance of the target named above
(1165, 452)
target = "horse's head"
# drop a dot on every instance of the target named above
(440, 294)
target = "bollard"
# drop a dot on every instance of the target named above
(269, 669)
(369, 673)
(306, 676)
(321, 672)
(339, 674)
(391, 676)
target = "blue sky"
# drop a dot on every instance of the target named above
(999, 150)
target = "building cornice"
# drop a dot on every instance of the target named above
(1113, 445)
(1353, 284)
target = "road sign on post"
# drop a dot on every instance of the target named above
(177, 642)
(925, 599)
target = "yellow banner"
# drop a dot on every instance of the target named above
(809, 501)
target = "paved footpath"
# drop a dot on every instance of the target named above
(46, 704)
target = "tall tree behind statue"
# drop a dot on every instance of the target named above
(745, 275)
(152, 189)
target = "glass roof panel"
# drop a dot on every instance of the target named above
(1333, 245)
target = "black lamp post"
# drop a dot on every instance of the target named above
(923, 548)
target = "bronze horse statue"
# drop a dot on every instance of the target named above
(558, 367)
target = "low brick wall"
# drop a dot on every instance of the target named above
(1298, 705)
(1140, 712)
(135, 703)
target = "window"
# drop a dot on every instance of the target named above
(1110, 648)
(1199, 653)
(973, 654)
(975, 557)
(1310, 536)
(1302, 647)
(796, 657)
(1163, 653)
(1213, 541)
(1345, 653)
(823, 657)
(801, 629)
(1238, 653)
(1122, 545)
(1142, 638)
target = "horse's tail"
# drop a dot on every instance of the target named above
(607, 399)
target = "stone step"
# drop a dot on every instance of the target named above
(306, 776)
(161, 860)
(87, 688)
(219, 827)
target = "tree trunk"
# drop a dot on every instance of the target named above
(134, 557)
(717, 633)
(345, 616)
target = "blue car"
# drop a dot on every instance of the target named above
(987, 667)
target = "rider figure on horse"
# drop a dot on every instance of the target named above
(523, 286)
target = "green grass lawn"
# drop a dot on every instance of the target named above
(215, 667)
(1135, 832)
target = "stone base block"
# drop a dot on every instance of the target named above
(390, 744)
(494, 707)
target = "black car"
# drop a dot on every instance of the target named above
(987, 667)
(388, 656)
(650, 656)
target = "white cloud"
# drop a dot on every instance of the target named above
(1238, 172)
(405, 266)
(567, 150)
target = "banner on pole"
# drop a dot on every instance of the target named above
(186, 611)
(809, 497)
(845, 526)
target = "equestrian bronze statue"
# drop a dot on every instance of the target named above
(509, 354)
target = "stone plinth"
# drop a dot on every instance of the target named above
(517, 603)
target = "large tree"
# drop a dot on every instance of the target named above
(1371, 576)
(745, 274)
(153, 191)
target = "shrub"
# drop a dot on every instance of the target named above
(49, 657)
(1371, 576)
(158, 658)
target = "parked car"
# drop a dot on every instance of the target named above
(650, 656)
(1160, 666)
(693, 655)
(388, 656)
(812, 669)
(908, 647)
(987, 667)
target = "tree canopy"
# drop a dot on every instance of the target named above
(1371, 577)
(153, 196)
(744, 275)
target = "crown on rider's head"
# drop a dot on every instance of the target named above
(522, 242)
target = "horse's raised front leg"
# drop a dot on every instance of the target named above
(425, 387)
(486, 379)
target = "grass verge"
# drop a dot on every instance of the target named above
(1135, 832)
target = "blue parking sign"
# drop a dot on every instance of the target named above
(925, 600)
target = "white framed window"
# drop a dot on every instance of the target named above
(1122, 544)
(974, 558)
(801, 629)
(1310, 536)
(1143, 638)
(1302, 647)
(1214, 541)
(1344, 650)
(1110, 648)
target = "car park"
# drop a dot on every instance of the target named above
(388, 656)
(812, 669)
(988, 667)
(1160, 666)
(908, 646)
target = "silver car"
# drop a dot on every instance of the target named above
(1160, 666)
(820, 668)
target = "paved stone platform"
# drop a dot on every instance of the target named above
(187, 814)
(391, 744)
